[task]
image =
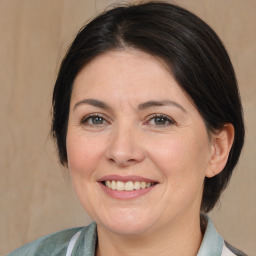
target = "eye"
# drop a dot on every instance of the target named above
(160, 120)
(94, 120)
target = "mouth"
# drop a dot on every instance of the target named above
(127, 186)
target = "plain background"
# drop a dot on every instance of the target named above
(35, 197)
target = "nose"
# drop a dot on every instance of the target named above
(125, 147)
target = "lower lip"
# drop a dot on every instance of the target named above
(124, 195)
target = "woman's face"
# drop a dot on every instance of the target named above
(138, 149)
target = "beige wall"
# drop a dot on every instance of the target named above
(35, 198)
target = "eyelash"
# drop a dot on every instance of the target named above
(85, 120)
(163, 117)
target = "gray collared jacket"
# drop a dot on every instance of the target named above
(82, 242)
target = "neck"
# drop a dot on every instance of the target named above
(176, 239)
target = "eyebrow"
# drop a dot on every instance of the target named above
(150, 104)
(92, 102)
(142, 106)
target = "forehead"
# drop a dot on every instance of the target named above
(120, 60)
(123, 70)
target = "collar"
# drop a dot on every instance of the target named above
(86, 243)
(211, 245)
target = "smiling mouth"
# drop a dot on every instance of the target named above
(127, 186)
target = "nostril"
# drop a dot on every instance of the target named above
(111, 160)
(122, 161)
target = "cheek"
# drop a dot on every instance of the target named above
(182, 160)
(83, 154)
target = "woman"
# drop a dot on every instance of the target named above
(147, 118)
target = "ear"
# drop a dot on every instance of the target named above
(222, 141)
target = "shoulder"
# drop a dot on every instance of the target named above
(228, 248)
(214, 244)
(50, 245)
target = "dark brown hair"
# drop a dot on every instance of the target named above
(192, 50)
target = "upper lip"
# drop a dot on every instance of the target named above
(125, 178)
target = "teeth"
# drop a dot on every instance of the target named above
(137, 185)
(108, 183)
(127, 186)
(143, 184)
(113, 184)
(120, 185)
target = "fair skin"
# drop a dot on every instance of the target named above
(129, 123)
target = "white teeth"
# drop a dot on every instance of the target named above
(120, 185)
(113, 184)
(108, 183)
(143, 184)
(137, 185)
(127, 186)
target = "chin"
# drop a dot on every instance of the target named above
(126, 224)
(125, 229)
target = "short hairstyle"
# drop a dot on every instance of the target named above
(191, 49)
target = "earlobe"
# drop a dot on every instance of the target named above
(222, 142)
